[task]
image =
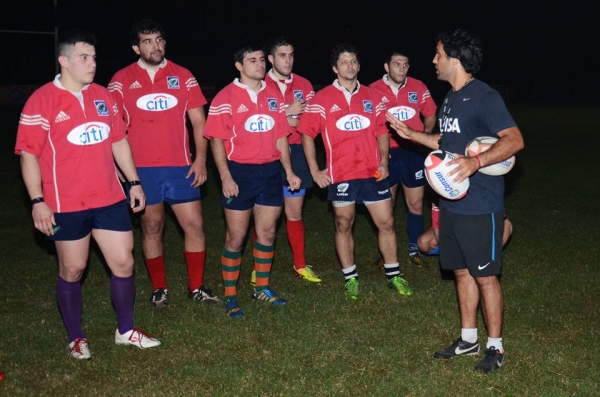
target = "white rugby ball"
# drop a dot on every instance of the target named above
(436, 172)
(480, 145)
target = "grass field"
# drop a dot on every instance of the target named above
(322, 344)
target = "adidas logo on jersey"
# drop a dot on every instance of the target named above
(242, 109)
(135, 85)
(384, 100)
(62, 116)
(335, 108)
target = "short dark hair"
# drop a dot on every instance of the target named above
(71, 37)
(464, 46)
(340, 49)
(145, 26)
(277, 42)
(387, 57)
(244, 48)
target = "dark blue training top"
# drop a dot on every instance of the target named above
(473, 111)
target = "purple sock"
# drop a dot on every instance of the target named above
(122, 292)
(70, 303)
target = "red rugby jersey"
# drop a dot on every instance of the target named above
(296, 87)
(411, 100)
(249, 123)
(155, 112)
(72, 140)
(350, 125)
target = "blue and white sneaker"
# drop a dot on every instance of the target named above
(270, 296)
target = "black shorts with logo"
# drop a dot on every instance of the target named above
(471, 242)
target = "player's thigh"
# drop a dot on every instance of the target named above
(414, 198)
(117, 249)
(344, 216)
(265, 217)
(381, 213)
(153, 217)
(237, 222)
(72, 257)
(293, 207)
(189, 216)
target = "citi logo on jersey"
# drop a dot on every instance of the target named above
(89, 134)
(259, 123)
(353, 122)
(449, 124)
(403, 113)
(156, 102)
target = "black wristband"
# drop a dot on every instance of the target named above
(134, 183)
(37, 200)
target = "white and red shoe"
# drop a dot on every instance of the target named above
(136, 337)
(80, 349)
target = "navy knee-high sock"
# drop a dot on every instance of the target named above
(414, 226)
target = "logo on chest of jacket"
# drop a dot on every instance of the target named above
(272, 102)
(172, 82)
(101, 108)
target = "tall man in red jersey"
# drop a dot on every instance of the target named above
(408, 99)
(69, 137)
(350, 117)
(248, 131)
(295, 91)
(155, 95)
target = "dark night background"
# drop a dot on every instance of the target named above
(534, 51)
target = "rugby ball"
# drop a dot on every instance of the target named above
(480, 145)
(436, 172)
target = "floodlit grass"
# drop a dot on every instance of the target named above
(323, 344)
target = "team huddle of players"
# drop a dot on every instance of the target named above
(261, 129)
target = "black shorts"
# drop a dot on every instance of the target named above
(406, 167)
(300, 167)
(76, 225)
(471, 242)
(257, 184)
(359, 191)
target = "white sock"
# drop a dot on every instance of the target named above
(496, 342)
(350, 272)
(469, 334)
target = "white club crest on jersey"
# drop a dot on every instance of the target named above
(403, 113)
(156, 102)
(259, 123)
(353, 122)
(89, 134)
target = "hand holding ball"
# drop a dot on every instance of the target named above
(436, 172)
(480, 145)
